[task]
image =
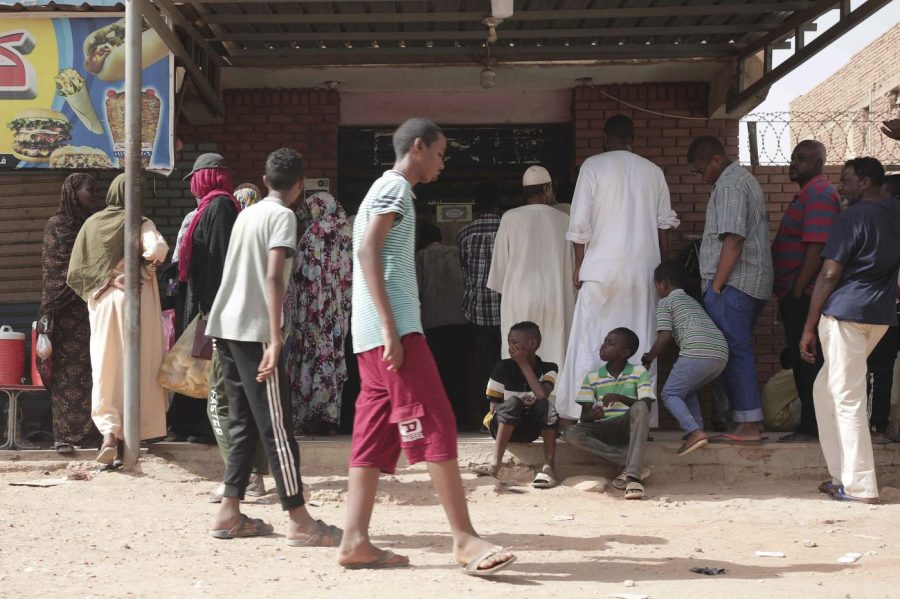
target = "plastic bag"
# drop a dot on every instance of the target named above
(182, 373)
(168, 324)
(43, 347)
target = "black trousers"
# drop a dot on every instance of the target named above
(793, 315)
(881, 379)
(258, 412)
(448, 346)
(485, 354)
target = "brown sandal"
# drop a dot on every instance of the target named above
(326, 535)
(246, 527)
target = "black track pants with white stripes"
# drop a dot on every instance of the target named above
(258, 411)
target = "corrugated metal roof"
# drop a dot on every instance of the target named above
(40, 6)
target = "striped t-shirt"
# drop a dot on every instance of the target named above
(392, 193)
(633, 381)
(695, 333)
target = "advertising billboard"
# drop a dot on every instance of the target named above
(62, 99)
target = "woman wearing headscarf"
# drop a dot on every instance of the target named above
(96, 274)
(317, 309)
(201, 260)
(63, 316)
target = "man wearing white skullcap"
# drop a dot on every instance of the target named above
(532, 267)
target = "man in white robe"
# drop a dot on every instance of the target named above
(619, 210)
(532, 268)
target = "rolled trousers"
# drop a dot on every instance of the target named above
(618, 440)
(840, 396)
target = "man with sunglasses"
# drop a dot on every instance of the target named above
(736, 269)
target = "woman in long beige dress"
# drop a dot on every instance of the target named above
(96, 273)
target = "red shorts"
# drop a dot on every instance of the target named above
(407, 408)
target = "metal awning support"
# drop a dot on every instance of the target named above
(132, 415)
(794, 27)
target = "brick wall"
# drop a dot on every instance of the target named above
(849, 86)
(257, 122)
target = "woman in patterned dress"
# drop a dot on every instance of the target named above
(317, 310)
(67, 371)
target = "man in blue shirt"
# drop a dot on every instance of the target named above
(855, 297)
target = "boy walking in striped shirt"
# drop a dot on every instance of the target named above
(702, 357)
(615, 411)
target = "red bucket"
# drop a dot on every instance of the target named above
(12, 356)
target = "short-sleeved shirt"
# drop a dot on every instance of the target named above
(633, 381)
(695, 333)
(476, 248)
(508, 381)
(865, 240)
(390, 194)
(807, 220)
(240, 311)
(736, 206)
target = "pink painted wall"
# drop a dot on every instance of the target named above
(487, 107)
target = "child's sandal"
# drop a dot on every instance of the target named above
(634, 490)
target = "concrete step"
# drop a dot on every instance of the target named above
(726, 463)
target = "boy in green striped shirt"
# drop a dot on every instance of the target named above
(615, 411)
(703, 352)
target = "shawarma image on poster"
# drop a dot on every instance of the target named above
(62, 98)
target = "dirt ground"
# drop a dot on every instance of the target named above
(126, 535)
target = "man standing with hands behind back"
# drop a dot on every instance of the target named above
(796, 255)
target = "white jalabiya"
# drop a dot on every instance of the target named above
(532, 268)
(620, 202)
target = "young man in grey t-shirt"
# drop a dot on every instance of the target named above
(246, 321)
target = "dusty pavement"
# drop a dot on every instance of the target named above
(121, 535)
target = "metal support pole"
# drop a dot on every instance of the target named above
(132, 415)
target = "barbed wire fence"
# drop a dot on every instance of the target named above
(767, 138)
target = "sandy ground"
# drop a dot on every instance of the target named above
(124, 535)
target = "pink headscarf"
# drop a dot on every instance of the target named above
(206, 185)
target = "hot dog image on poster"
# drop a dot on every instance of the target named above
(62, 99)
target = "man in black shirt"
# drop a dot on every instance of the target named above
(521, 410)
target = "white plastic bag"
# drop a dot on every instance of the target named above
(43, 347)
(182, 373)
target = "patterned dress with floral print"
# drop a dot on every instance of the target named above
(317, 310)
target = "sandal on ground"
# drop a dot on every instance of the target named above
(842, 495)
(326, 535)
(829, 488)
(634, 490)
(687, 448)
(798, 437)
(64, 448)
(544, 480)
(485, 470)
(107, 455)
(620, 481)
(246, 527)
(385, 560)
(472, 569)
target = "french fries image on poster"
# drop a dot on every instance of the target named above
(37, 133)
(70, 85)
(115, 115)
(104, 50)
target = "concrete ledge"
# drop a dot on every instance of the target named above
(726, 463)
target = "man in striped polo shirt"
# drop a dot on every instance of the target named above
(703, 352)
(796, 255)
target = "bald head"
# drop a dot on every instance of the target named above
(807, 161)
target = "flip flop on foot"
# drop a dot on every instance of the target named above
(326, 535)
(842, 495)
(695, 440)
(634, 490)
(64, 448)
(246, 527)
(472, 568)
(829, 488)
(385, 560)
(544, 479)
(107, 455)
(620, 482)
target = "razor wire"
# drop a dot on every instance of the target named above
(767, 138)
